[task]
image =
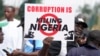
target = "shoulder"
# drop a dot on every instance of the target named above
(79, 49)
(16, 20)
(76, 51)
(72, 52)
(3, 20)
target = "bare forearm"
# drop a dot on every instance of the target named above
(29, 54)
(44, 51)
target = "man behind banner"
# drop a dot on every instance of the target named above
(55, 47)
(2, 47)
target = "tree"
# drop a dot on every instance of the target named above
(1, 10)
(93, 13)
(85, 9)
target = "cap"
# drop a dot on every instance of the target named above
(81, 20)
(94, 35)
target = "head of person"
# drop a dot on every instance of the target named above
(2, 24)
(1, 35)
(80, 25)
(94, 37)
(9, 13)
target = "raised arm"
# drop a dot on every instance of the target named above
(46, 43)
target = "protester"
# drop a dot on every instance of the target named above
(81, 33)
(91, 49)
(2, 53)
(18, 52)
(12, 34)
(1, 41)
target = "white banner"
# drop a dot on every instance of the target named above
(49, 21)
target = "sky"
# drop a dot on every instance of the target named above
(76, 3)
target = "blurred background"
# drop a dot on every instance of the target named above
(88, 8)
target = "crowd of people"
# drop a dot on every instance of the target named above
(86, 43)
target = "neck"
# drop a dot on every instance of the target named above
(10, 19)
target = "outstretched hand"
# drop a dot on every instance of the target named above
(47, 41)
(16, 52)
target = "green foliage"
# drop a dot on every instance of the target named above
(1, 10)
(93, 12)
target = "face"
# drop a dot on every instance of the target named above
(78, 29)
(9, 12)
(1, 36)
(81, 41)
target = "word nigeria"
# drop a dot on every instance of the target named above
(48, 24)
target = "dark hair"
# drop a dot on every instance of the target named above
(13, 9)
(94, 35)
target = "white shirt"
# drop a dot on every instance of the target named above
(2, 53)
(63, 51)
(13, 35)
